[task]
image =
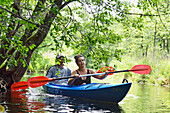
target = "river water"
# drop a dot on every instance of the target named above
(140, 99)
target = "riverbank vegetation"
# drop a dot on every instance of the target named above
(159, 76)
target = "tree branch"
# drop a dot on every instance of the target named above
(71, 14)
(45, 46)
(145, 14)
(66, 3)
(160, 16)
(38, 25)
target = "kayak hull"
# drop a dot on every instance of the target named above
(94, 91)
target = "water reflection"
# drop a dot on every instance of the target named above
(141, 98)
(30, 101)
(21, 101)
(67, 104)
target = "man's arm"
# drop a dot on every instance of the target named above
(69, 72)
(50, 73)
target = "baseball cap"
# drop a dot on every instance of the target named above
(59, 56)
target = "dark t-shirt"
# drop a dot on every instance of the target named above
(79, 81)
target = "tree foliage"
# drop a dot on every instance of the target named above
(87, 26)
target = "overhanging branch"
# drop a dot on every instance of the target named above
(38, 25)
(146, 14)
(160, 17)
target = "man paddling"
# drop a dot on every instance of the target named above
(59, 70)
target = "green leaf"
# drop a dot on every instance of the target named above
(32, 46)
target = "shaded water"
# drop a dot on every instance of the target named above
(140, 99)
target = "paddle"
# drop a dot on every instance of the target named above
(42, 80)
(19, 85)
(104, 69)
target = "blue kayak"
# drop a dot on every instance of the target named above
(94, 91)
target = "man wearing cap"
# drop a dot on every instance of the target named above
(59, 70)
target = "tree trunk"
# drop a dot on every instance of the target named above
(15, 73)
(163, 43)
(146, 51)
(154, 40)
(167, 45)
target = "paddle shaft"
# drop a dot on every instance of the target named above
(130, 70)
(103, 73)
(114, 72)
(51, 79)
